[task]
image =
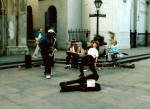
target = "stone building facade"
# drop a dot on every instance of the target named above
(20, 18)
(122, 16)
(13, 27)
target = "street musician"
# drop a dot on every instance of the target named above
(47, 45)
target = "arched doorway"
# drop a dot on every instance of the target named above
(30, 35)
(51, 19)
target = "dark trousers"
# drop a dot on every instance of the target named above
(88, 61)
(48, 62)
(73, 57)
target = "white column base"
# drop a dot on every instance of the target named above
(17, 50)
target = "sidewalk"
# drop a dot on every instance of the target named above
(61, 54)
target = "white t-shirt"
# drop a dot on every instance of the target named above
(93, 52)
(38, 39)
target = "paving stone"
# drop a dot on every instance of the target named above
(122, 88)
(20, 98)
(4, 90)
(7, 104)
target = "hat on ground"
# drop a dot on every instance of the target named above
(51, 31)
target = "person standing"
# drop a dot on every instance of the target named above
(47, 44)
(90, 60)
(38, 36)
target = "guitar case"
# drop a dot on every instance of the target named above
(81, 84)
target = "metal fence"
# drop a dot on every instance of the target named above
(78, 34)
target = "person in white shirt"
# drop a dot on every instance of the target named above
(90, 60)
(38, 36)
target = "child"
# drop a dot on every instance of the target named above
(90, 60)
(114, 49)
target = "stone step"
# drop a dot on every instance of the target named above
(37, 62)
(133, 59)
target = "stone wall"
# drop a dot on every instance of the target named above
(123, 24)
(17, 27)
(2, 29)
(74, 14)
(62, 20)
(105, 24)
(35, 6)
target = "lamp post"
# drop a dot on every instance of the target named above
(98, 4)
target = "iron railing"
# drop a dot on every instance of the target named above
(78, 34)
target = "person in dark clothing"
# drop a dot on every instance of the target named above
(47, 44)
(73, 55)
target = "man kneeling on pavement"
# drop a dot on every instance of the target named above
(90, 60)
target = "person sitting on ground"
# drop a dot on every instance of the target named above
(114, 49)
(73, 55)
(90, 60)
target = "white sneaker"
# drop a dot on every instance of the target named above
(52, 74)
(68, 66)
(99, 68)
(48, 76)
(85, 70)
(34, 57)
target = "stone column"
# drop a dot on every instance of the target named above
(3, 32)
(17, 27)
(2, 29)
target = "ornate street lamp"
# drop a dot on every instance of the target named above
(98, 4)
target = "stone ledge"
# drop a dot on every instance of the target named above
(16, 50)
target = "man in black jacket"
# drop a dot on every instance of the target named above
(46, 44)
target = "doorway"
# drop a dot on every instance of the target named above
(51, 19)
(141, 23)
(30, 35)
(138, 22)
